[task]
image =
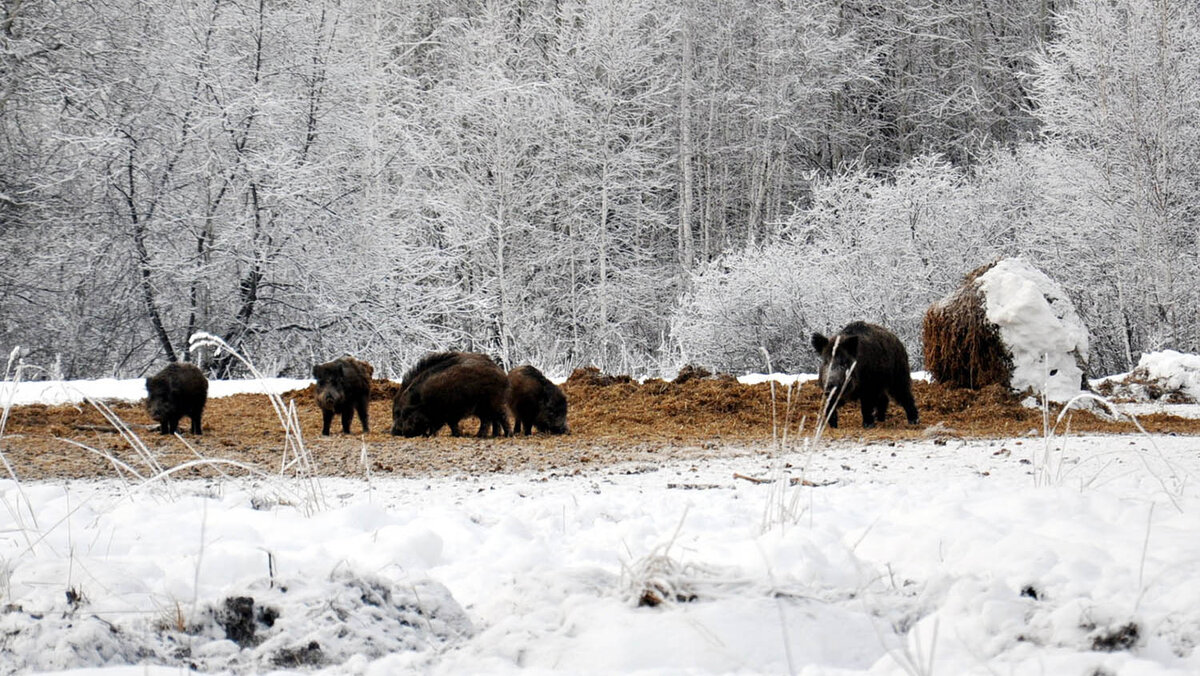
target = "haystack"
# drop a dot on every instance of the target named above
(1008, 323)
(962, 348)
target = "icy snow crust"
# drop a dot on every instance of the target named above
(948, 552)
(1038, 323)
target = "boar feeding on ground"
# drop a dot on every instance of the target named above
(343, 387)
(443, 388)
(865, 362)
(177, 390)
(536, 402)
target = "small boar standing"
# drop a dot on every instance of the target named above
(880, 368)
(536, 402)
(343, 387)
(179, 389)
(443, 388)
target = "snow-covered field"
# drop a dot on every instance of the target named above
(1067, 556)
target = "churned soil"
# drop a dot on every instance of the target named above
(613, 419)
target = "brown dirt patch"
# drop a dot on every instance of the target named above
(613, 420)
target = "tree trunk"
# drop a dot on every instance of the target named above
(144, 265)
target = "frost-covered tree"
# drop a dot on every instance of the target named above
(613, 158)
(1118, 98)
(759, 97)
(867, 248)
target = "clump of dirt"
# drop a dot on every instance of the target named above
(614, 419)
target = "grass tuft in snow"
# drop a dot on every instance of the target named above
(785, 499)
(23, 508)
(1051, 464)
(296, 457)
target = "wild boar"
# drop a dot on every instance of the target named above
(343, 387)
(179, 389)
(869, 364)
(536, 402)
(443, 388)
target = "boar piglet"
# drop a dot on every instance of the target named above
(343, 387)
(536, 402)
(179, 389)
(865, 362)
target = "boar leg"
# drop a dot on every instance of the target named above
(347, 417)
(881, 407)
(868, 405)
(362, 413)
(326, 419)
(910, 408)
(196, 424)
(499, 426)
(831, 415)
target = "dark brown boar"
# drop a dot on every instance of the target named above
(536, 402)
(445, 387)
(343, 387)
(179, 389)
(869, 364)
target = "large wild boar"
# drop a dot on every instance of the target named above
(880, 368)
(536, 402)
(343, 387)
(179, 389)
(445, 387)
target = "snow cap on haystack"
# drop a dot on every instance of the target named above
(1008, 323)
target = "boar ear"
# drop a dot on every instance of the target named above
(819, 342)
(317, 372)
(849, 345)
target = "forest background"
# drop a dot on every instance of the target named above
(634, 184)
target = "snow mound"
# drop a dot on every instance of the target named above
(294, 624)
(1169, 377)
(1039, 326)
(65, 640)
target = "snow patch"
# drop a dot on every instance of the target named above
(1167, 377)
(1039, 325)
(55, 392)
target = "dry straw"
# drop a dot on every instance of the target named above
(963, 348)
